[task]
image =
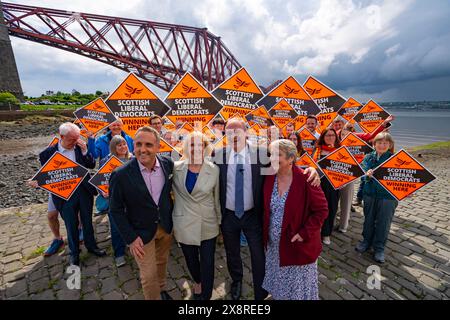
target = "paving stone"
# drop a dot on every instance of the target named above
(114, 295)
(125, 273)
(91, 296)
(17, 288)
(67, 294)
(108, 285)
(39, 285)
(140, 296)
(11, 258)
(131, 286)
(12, 266)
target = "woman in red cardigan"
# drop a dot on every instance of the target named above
(294, 212)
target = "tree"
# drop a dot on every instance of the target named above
(7, 99)
(98, 93)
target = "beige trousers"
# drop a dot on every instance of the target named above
(346, 198)
(153, 266)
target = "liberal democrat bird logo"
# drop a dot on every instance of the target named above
(131, 90)
(351, 141)
(241, 83)
(289, 90)
(188, 90)
(58, 164)
(112, 167)
(371, 108)
(303, 162)
(341, 157)
(399, 162)
(313, 91)
(351, 103)
(96, 106)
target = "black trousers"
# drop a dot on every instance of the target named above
(80, 202)
(200, 262)
(251, 225)
(332, 197)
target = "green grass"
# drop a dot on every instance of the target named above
(436, 145)
(36, 253)
(30, 107)
(52, 283)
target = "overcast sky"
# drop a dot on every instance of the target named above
(385, 50)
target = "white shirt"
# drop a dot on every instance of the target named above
(69, 153)
(231, 180)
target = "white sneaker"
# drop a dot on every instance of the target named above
(326, 241)
(342, 230)
(120, 261)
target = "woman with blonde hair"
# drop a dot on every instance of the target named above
(196, 213)
(118, 147)
(379, 204)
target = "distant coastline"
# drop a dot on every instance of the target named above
(417, 106)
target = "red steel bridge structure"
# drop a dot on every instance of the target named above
(157, 52)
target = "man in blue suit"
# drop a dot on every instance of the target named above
(81, 201)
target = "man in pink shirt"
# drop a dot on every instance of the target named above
(141, 206)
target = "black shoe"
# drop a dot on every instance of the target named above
(98, 252)
(198, 296)
(74, 260)
(352, 209)
(236, 290)
(165, 296)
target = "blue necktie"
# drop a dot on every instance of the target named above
(239, 188)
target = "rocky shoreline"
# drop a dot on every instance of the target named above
(20, 143)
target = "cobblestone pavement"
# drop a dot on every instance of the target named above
(417, 257)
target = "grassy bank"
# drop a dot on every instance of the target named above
(436, 145)
(30, 107)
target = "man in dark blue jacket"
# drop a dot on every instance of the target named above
(141, 206)
(81, 201)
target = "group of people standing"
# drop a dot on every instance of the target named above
(285, 213)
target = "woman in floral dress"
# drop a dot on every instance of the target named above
(293, 215)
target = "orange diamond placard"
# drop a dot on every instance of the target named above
(209, 134)
(328, 101)
(371, 116)
(135, 103)
(101, 179)
(296, 96)
(259, 116)
(308, 141)
(191, 102)
(340, 168)
(238, 94)
(60, 176)
(221, 143)
(95, 116)
(305, 161)
(350, 108)
(166, 149)
(54, 141)
(357, 147)
(282, 113)
(402, 175)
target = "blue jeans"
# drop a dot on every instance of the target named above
(378, 214)
(80, 202)
(116, 239)
(359, 194)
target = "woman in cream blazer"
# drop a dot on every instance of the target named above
(196, 214)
